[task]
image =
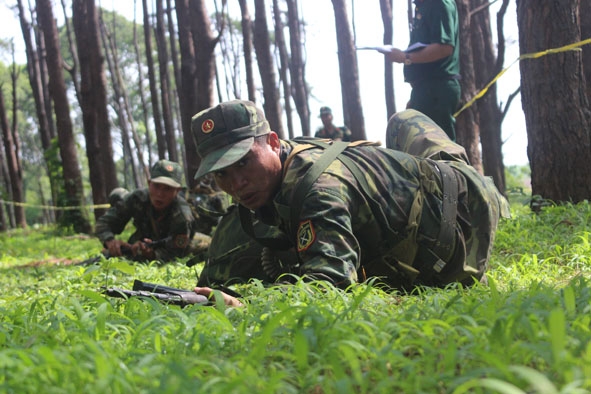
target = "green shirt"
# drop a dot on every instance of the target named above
(435, 21)
(175, 223)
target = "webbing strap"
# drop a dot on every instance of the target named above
(444, 243)
(303, 187)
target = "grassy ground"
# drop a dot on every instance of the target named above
(529, 331)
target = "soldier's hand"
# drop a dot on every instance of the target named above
(396, 55)
(114, 247)
(228, 299)
(143, 249)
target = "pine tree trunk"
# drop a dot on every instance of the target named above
(160, 139)
(67, 144)
(554, 101)
(386, 11)
(13, 165)
(262, 47)
(246, 23)
(93, 102)
(487, 67)
(297, 67)
(167, 113)
(349, 72)
(187, 91)
(467, 122)
(284, 66)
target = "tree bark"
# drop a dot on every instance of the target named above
(160, 139)
(554, 101)
(34, 72)
(57, 89)
(386, 10)
(586, 34)
(124, 116)
(349, 72)
(284, 67)
(467, 122)
(167, 114)
(487, 67)
(93, 102)
(13, 165)
(143, 100)
(262, 45)
(246, 23)
(187, 90)
(297, 67)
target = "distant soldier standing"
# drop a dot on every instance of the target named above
(329, 130)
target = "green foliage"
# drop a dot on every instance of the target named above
(527, 332)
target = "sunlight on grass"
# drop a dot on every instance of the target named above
(529, 331)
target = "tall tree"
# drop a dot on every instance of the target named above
(467, 126)
(246, 24)
(165, 87)
(67, 144)
(13, 165)
(585, 35)
(160, 139)
(283, 67)
(488, 65)
(556, 107)
(33, 68)
(93, 103)
(187, 90)
(386, 10)
(262, 45)
(349, 72)
(205, 43)
(297, 67)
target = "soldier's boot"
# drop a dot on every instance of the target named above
(415, 133)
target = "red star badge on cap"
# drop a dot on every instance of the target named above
(207, 126)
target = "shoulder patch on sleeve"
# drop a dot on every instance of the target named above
(306, 235)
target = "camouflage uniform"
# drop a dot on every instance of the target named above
(337, 133)
(176, 222)
(392, 219)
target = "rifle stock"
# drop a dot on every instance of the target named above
(172, 296)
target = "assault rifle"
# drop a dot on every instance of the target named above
(126, 252)
(164, 294)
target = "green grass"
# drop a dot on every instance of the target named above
(529, 331)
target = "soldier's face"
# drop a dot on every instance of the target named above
(161, 196)
(254, 180)
(326, 119)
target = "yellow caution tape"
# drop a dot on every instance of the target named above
(570, 47)
(51, 207)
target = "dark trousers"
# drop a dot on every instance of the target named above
(438, 99)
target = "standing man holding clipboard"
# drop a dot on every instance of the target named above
(431, 62)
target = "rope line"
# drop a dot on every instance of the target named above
(570, 47)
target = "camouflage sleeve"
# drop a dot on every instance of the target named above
(179, 235)
(325, 242)
(113, 222)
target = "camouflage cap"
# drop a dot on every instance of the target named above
(325, 111)
(225, 133)
(167, 172)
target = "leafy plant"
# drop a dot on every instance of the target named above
(526, 332)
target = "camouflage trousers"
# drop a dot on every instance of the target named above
(475, 207)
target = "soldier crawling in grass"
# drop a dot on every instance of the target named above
(413, 214)
(159, 213)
